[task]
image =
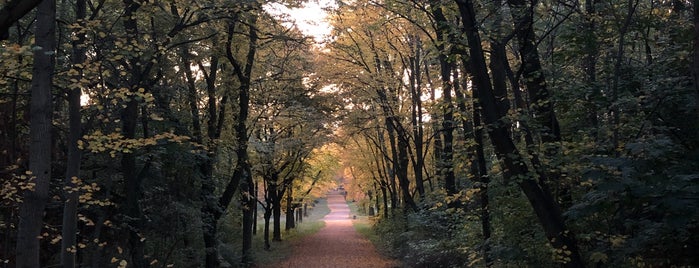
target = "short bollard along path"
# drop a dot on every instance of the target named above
(337, 244)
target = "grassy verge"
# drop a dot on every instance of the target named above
(364, 225)
(282, 250)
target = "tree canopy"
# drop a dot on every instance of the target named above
(475, 133)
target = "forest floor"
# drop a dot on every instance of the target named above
(336, 245)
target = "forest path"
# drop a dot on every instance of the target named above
(336, 245)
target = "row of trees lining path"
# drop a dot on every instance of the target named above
(337, 244)
(542, 133)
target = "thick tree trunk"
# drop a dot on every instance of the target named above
(544, 205)
(132, 180)
(290, 224)
(31, 212)
(268, 215)
(70, 208)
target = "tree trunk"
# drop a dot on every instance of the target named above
(34, 200)
(290, 224)
(483, 180)
(416, 114)
(70, 208)
(242, 173)
(446, 159)
(277, 211)
(695, 64)
(132, 181)
(544, 205)
(268, 214)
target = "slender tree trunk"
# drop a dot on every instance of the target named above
(447, 157)
(416, 115)
(70, 209)
(481, 175)
(387, 167)
(31, 212)
(620, 54)
(242, 173)
(436, 128)
(210, 212)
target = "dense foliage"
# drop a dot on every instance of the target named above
(477, 133)
(163, 115)
(587, 108)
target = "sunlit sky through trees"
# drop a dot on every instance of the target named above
(311, 19)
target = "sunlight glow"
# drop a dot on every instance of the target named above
(311, 19)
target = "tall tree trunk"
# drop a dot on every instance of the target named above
(31, 212)
(544, 205)
(416, 114)
(242, 173)
(210, 212)
(541, 105)
(132, 180)
(70, 209)
(446, 160)
(479, 169)
(437, 139)
(619, 58)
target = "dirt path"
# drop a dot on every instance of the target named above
(336, 245)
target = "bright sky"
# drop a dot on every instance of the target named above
(310, 19)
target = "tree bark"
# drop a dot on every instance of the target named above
(34, 200)
(290, 224)
(70, 209)
(132, 180)
(416, 114)
(242, 173)
(446, 159)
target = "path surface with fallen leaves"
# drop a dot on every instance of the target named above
(336, 245)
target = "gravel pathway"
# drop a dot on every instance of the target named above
(336, 245)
